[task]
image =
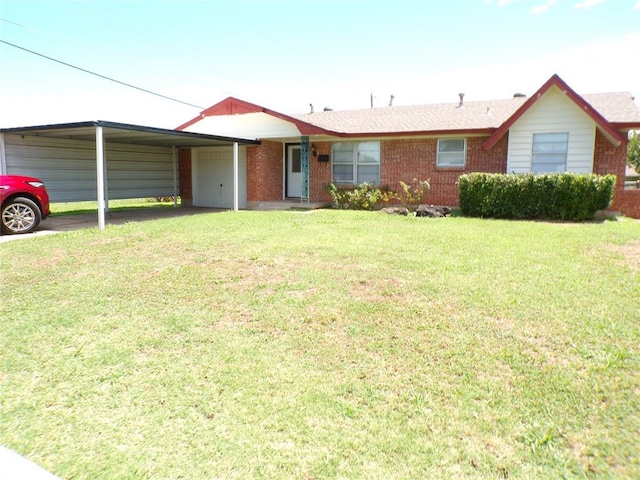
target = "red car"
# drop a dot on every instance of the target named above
(24, 203)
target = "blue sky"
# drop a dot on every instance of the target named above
(287, 54)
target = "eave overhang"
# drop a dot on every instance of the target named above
(235, 106)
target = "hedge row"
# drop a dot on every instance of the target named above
(564, 196)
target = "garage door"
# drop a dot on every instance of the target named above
(213, 177)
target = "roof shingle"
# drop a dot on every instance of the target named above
(617, 107)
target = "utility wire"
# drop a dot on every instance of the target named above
(26, 27)
(101, 76)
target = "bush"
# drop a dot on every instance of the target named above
(564, 196)
(633, 150)
(413, 195)
(362, 197)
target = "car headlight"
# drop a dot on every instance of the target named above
(36, 184)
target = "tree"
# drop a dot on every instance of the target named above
(633, 150)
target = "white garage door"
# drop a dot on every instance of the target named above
(213, 177)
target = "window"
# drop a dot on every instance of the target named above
(296, 160)
(452, 152)
(356, 162)
(549, 153)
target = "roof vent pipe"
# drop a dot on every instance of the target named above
(518, 95)
(461, 104)
(391, 100)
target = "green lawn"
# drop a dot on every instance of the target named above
(75, 208)
(331, 344)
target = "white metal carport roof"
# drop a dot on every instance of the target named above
(112, 132)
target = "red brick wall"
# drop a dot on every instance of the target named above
(319, 173)
(184, 176)
(406, 159)
(627, 202)
(265, 172)
(608, 158)
(611, 159)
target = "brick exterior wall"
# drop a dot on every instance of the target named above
(184, 176)
(608, 158)
(404, 160)
(611, 159)
(265, 172)
(627, 202)
(319, 173)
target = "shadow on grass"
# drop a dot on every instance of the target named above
(111, 210)
(82, 208)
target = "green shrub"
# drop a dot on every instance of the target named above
(361, 197)
(413, 194)
(564, 196)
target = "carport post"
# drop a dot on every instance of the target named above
(100, 176)
(235, 176)
(175, 177)
(105, 179)
(3, 155)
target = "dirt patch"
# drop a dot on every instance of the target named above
(630, 252)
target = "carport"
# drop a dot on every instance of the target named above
(99, 160)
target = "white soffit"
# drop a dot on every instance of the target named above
(249, 126)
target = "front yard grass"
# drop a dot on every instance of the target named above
(76, 208)
(335, 344)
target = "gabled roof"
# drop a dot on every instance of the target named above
(617, 109)
(477, 116)
(235, 106)
(610, 112)
(605, 126)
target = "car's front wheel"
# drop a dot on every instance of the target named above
(20, 215)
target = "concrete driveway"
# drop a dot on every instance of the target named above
(65, 223)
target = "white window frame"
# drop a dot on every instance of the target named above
(451, 158)
(360, 158)
(549, 146)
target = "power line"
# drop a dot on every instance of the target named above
(101, 76)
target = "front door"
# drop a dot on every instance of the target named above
(294, 172)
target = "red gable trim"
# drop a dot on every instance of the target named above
(614, 136)
(626, 125)
(235, 106)
(190, 122)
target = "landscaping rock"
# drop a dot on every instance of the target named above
(395, 210)
(433, 211)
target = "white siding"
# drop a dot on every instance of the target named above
(68, 167)
(137, 171)
(554, 112)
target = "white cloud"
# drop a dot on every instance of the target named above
(637, 5)
(542, 8)
(586, 4)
